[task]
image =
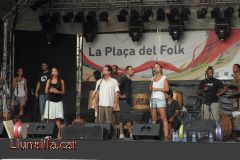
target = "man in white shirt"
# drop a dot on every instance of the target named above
(107, 96)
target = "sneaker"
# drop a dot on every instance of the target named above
(121, 136)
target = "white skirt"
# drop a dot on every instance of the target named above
(55, 110)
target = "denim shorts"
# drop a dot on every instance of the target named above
(157, 103)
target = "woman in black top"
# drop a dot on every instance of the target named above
(54, 106)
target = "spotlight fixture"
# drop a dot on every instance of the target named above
(91, 16)
(90, 27)
(38, 4)
(216, 13)
(202, 13)
(135, 28)
(176, 29)
(174, 14)
(228, 13)
(67, 17)
(146, 15)
(185, 12)
(55, 18)
(222, 28)
(79, 17)
(122, 15)
(161, 15)
(103, 16)
(48, 27)
(134, 15)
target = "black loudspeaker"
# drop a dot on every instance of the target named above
(3, 132)
(41, 130)
(107, 126)
(147, 131)
(199, 125)
(85, 133)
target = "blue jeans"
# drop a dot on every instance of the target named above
(42, 103)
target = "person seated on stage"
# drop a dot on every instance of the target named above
(115, 74)
(211, 89)
(236, 75)
(172, 113)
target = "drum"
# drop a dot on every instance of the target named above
(178, 96)
(226, 126)
(91, 100)
(141, 101)
(20, 130)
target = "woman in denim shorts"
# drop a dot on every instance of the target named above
(159, 87)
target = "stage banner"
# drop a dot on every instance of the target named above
(184, 60)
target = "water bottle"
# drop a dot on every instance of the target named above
(174, 136)
(184, 136)
(210, 137)
(177, 137)
(194, 136)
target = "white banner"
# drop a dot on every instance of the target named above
(184, 60)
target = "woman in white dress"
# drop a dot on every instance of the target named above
(158, 88)
(54, 105)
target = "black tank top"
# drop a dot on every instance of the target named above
(54, 97)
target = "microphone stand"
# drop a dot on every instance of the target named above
(97, 91)
(151, 88)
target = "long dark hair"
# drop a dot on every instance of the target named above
(58, 78)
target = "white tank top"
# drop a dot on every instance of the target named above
(19, 90)
(159, 84)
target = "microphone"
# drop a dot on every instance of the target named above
(103, 75)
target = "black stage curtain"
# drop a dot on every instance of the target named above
(32, 49)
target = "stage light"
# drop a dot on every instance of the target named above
(176, 29)
(122, 15)
(135, 28)
(185, 12)
(37, 4)
(68, 17)
(146, 15)
(161, 15)
(202, 13)
(103, 16)
(228, 13)
(222, 28)
(48, 27)
(174, 14)
(90, 27)
(55, 18)
(91, 16)
(216, 13)
(136, 32)
(134, 15)
(79, 17)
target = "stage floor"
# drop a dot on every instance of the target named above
(119, 149)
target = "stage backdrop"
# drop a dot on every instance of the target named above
(184, 60)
